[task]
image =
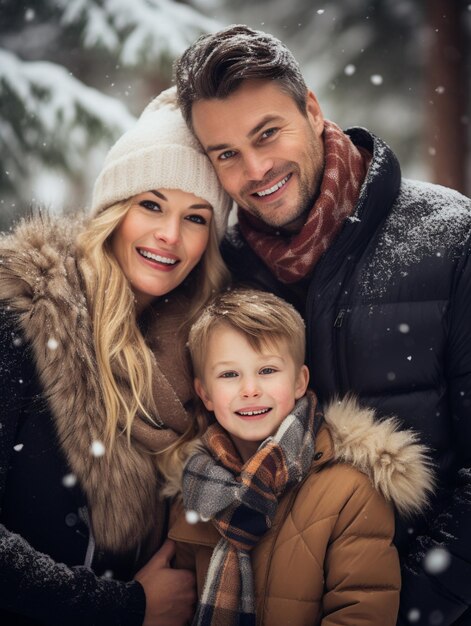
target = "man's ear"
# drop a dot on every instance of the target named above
(301, 382)
(314, 113)
(201, 391)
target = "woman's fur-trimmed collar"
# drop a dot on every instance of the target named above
(42, 285)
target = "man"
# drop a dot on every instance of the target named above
(378, 265)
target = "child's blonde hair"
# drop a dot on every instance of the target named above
(261, 317)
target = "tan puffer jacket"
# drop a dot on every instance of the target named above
(328, 558)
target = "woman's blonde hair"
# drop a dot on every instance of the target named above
(119, 343)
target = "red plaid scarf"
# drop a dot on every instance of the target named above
(241, 501)
(293, 258)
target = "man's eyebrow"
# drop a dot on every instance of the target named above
(217, 147)
(268, 119)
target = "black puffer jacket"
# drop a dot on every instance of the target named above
(44, 534)
(388, 316)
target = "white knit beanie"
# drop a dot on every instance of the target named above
(160, 152)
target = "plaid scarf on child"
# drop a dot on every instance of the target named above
(292, 258)
(241, 501)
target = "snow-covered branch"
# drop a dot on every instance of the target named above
(141, 31)
(45, 110)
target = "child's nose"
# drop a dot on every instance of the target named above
(250, 388)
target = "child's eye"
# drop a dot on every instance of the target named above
(150, 204)
(267, 370)
(228, 375)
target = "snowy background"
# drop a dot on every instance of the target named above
(74, 74)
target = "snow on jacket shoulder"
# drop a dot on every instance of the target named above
(329, 558)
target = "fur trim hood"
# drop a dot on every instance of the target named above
(41, 283)
(397, 464)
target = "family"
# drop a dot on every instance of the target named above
(265, 423)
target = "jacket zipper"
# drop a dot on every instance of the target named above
(339, 319)
(340, 356)
(339, 330)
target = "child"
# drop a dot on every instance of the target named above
(293, 524)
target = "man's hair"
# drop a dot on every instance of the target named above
(263, 319)
(215, 65)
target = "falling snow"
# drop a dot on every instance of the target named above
(435, 618)
(413, 616)
(437, 560)
(97, 448)
(69, 480)
(192, 517)
(52, 344)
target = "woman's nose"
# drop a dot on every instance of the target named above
(168, 230)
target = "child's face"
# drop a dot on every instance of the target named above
(250, 393)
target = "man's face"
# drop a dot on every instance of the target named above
(268, 156)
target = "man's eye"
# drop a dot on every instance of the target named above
(267, 370)
(150, 204)
(226, 155)
(268, 133)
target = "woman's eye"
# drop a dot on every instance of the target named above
(197, 219)
(150, 204)
(228, 375)
(267, 370)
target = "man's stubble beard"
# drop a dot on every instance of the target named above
(309, 187)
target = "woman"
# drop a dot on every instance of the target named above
(93, 314)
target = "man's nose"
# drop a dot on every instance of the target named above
(256, 165)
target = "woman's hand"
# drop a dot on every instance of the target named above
(170, 593)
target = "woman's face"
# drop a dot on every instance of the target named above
(160, 240)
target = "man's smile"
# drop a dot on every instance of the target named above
(271, 190)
